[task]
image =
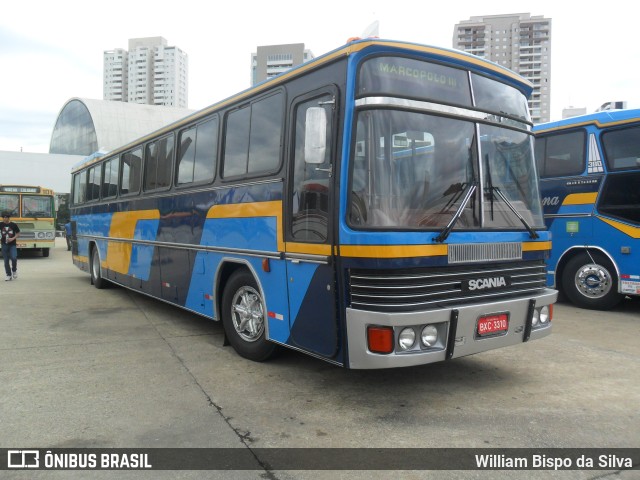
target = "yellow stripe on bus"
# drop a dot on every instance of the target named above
(255, 209)
(392, 251)
(633, 232)
(309, 248)
(580, 198)
(535, 246)
(123, 225)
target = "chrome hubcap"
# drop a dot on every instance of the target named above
(247, 313)
(593, 280)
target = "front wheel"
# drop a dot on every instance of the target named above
(591, 282)
(244, 317)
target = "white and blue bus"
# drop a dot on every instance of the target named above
(590, 186)
(376, 207)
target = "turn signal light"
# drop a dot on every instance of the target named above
(380, 339)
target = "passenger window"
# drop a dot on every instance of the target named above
(236, 146)
(266, 135)
(197, 153)
(93, 189)
(253, 138)
(131, 171)
(158, 163)
(80, 187)
(622, 148)
(110, 178)
(564, 154)
(620, 197)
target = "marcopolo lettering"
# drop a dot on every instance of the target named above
(418, 74)
(485, 283)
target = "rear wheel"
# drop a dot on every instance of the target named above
(591, 282)
(96, 269)
(244, 317)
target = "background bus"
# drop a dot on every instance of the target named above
(32, 208)
(366, 208)
(590, 187)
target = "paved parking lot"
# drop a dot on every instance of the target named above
(81, 367)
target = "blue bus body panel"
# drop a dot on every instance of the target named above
(186, 276)
(571, 203)
(142, 255)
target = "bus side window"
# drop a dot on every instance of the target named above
(620, 196)
(565, 154)
(197, 153)
(110, 178)
(131, 171)
(253, 138)
(79, 187)
(158, 160)
(93, 189)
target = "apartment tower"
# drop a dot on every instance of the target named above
(520, 42)
(150, 73)
(271, 60)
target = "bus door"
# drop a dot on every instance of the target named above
(309, 256)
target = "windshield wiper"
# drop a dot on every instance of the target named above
(532, 233)
(492, 189)
(447, 230)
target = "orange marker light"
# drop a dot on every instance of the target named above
(380, 339)
(265, 265)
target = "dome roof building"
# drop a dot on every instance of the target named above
(85, 126)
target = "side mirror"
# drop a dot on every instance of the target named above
(315, 135)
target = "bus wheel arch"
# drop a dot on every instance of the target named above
(95, 267)
(589, 279)
(243, 312)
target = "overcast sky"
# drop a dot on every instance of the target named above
(51, 51)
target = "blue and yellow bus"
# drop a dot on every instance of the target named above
(590, 186)
(376, 207)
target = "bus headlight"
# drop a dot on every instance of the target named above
(544, 315)
(429, 336)
(407, 338)
(40, 235)
(536, 317)
(49, 235)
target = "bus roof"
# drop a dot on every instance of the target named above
(599, 119)
(454, 56)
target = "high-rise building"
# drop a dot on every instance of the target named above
(520, 42)
(271, 60)
(569, 112)
(150, 72)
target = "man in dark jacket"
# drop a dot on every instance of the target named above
(9, 232)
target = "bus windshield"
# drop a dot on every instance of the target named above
(413, 170)
(10, 203)
(36, 206)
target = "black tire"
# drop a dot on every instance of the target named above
(96, 269)
(591, 283)
(244, 318)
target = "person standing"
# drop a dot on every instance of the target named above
(9, 232)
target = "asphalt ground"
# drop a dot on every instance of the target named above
(88, 368)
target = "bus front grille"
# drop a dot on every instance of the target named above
(417, 289)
